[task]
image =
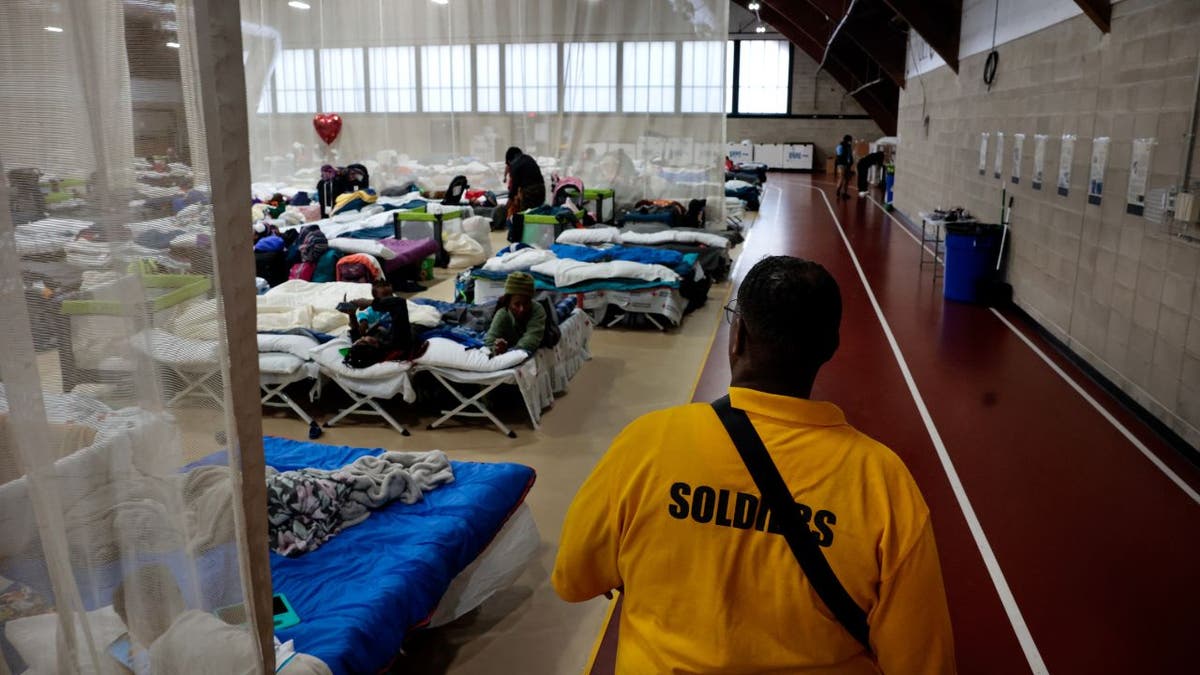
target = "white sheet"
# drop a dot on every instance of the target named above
(382, 380)
(570, 272)
(182, 353)
(518, 261)
(304, 304)
(590, 235)
(368, 246)
(444, 353)
(674, 235)
(299, 346)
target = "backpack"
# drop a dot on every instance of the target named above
(454, 193)
(568, 188)
(553, 333)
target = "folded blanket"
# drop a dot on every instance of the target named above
(518, 261)
(443, 353)
(570, 272)
(640, 254)
(590, 235)
(675, 235)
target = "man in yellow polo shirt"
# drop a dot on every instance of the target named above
(672, 516)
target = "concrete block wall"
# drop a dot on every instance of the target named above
(1117, 288)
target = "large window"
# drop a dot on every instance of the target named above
(704, 85)
(446, 78)
(763, 75)
(343, 87)
(295, 82)
(531, 77)
(590, 77)
(393, 79)
(487, 78)
(648, 82)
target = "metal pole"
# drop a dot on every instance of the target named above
(837, 29)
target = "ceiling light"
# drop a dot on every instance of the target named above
(441, 2)
(173, 45)
(296, 4)
(753, 7)
(53, 29)
(760, 28)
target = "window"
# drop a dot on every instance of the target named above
(343, 87)
(704, 87)
(487, 78)
(446, 78)
(763, 76)
(393, 79)
(729, 47)
(590, 76)
(296, 82)
(649, 77)
(531, 77)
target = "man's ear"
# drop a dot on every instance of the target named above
(737, 336)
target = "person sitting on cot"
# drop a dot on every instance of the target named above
(519, 322)
(379, 328)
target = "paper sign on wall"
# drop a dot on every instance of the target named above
(1039, 160)
(1018, 155)
(1139, 170)
(983, 139)
(1065, 157)
(999, 167)
(1096, 174)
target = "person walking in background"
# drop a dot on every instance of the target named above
(525, 180)
(717, 561)
(844, 161)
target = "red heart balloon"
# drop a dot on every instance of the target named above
(328, 126)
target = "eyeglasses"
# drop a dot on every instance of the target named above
(730, 310)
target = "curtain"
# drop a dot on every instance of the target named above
(121, 524)
(624, 95)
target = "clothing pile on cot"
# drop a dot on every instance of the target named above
(436, 537)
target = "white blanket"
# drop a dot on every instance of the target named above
(304, 304)
(518, 261)
(368, 246)
(675, 235)
(299, 346)
(590, 235)
(443, 353)
(570, 272)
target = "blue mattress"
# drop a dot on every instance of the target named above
(360, 593)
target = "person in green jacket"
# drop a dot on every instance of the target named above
(519, 323)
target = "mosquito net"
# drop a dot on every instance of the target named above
(121, 516)
(625, 96)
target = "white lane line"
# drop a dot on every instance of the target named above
(1032, 655)
(1174, 477)
(1121, 428)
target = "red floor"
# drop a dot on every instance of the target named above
(1098, 547)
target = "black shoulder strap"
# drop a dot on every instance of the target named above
(778, 499)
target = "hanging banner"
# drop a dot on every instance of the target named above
(999, 168)
(983, 139)
(1039, 160)
(1018, 155)
(1065, 157)
(1139, 170)
(1096, 175)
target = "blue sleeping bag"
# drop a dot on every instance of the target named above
(638, 254)
(359, 594)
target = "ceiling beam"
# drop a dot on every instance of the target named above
(939, 22)
(869, 31)
(1099, 11)
(850, 68)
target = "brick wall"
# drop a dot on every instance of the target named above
(1115, 287)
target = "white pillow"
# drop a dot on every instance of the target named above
(36, 638)
(368, 246)
(278, 363)
(444, 353)
(330, 357)
(590, 235)
(296, 345)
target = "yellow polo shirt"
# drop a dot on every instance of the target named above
(671, 514)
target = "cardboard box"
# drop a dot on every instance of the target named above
(829, 165)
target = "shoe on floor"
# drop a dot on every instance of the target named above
(861, 195)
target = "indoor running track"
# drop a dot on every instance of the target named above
(1066, 547)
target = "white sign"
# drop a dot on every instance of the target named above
(1039, 160)
(999, 168)
(983, 139)
(1096, 173)
(1139, 170)
(1018, 155)
(1065, 157)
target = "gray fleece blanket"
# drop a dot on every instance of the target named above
(306, 507)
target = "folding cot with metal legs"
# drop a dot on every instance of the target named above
(279, 371)
(360, 400)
